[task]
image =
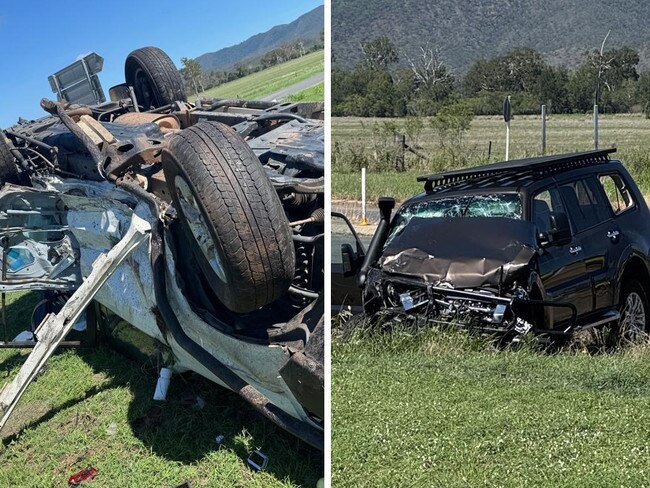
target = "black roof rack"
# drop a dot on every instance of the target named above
(544, 164)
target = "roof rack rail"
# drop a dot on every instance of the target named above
(550, 164)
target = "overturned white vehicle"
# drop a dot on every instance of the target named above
(199, 224)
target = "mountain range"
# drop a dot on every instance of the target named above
(467, 30)
(307, 28)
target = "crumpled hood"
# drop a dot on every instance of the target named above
(464, 252)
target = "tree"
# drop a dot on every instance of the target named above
(553, 88)
(612, 68)
(643, 92)
(429, 69)
(518, 70)
(192, 72)
(379, 53)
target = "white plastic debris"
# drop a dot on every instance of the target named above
(163, 384)
(112, 429)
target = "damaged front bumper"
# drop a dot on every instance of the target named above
(488, 310)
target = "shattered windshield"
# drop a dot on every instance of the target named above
(504, 205)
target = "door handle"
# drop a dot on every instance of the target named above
(613, 234)
(575, 250)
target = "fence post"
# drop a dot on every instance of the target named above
(364, 220)
(596, 126)
(543, 130)
(400, 142)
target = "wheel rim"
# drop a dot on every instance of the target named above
(198, 226)
(633, 316)
(143, 89)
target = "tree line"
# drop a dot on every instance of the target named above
(379, 87)
(197, 80)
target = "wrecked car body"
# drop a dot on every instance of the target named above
(549, 245)
(228, 196)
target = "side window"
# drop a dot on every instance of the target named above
(342, 234)
(584, 207)
(617, 193)
(545, 204)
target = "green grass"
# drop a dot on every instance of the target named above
(566, 133)
(314, 93)
(270, 80)
(62, 425)
(441, 409)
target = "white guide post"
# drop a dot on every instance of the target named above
(364, 220)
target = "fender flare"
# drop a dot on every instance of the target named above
(629, 254)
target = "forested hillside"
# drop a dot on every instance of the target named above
(465, 30)
(306, 28)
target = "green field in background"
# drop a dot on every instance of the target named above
(314, 93)
(265, 82)
(630, 133)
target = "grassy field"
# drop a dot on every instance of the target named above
(565, 133)
(270, 80)
(94, 407)
(314, 93)
(441, 409)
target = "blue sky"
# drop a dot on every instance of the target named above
(40, 37)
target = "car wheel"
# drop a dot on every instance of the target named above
(232, 215)
(154, 78)
(633, 308)
(8, 169)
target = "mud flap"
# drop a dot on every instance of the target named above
(56, 326)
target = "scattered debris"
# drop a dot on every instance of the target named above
(84, 475)
(163, 384)
(112, 429)
(219, 440)
(194, 402)
(151, 419)
(258, 460)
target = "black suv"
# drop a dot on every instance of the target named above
(552, 244)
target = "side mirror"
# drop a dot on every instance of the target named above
(350, 260)
(560, 232)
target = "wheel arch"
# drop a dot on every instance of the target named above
(635, 267)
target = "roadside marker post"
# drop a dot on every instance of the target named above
(595, 126)
(507, 116)
(364, 220)
(543, 130)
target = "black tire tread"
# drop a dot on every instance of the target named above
(8, 170)
(166, 78)
(244, 209)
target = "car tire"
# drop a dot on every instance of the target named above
(220, 188)
(154, 77)
(634, 311)
(8, 169)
